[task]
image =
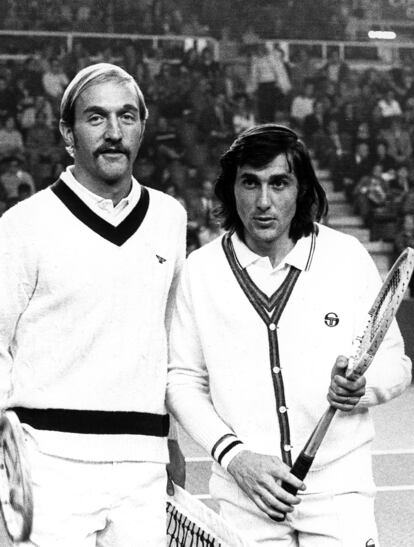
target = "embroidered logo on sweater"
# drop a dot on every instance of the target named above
(331, 319)
(161, 260)
(370, 543)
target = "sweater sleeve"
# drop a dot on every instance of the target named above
(17, 283)
(188, 394)
(180, 258)
(390, 371)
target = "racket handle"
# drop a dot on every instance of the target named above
(300, 469)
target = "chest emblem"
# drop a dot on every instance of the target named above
(160, 259)
(331, 319)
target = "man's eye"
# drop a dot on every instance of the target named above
(278, 184)
(128, 117)
(249, 183)
(95, 119)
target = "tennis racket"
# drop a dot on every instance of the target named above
(365, 347)
(16, 500)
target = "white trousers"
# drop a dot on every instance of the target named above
(320, 520)
(88, 504)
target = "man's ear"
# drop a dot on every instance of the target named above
(68, 137)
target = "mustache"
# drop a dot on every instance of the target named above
(114, 148)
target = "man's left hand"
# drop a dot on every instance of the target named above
(344, 394)
(176, 467)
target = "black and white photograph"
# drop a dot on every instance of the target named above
(206, 273)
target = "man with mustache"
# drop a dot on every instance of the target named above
(87, 275)
(263, 319)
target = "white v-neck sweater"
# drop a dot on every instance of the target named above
(82, 319)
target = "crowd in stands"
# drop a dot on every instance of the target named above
(360, 125)
(280, 19)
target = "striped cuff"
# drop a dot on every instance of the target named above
(226, 448)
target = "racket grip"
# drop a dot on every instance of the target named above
(300, 469)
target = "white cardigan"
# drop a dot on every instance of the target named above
(82, 319)
(220, 376)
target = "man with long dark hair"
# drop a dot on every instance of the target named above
(262, 316)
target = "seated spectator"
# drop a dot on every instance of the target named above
(348, 119)
(398, 188)
(24, 191)
(243, 114)
(165, 143)
(382, 157)
(208, 67)
(13, 177)
(302, 104)
(331, 146)
(405, 238)
(314, 124)
(54, 83)
(303, 69)
(335, 69)
(40, 141)
(11, 139)
(398, 140)
(356, 166)
(363, 133)
(389, 105)
(31, 74)
(7, 99)
(368, 184)
(408, 204)
(216, 126)
(209, 230)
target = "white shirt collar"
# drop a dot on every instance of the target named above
(299, 256)
(93, 200)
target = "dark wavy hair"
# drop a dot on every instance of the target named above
(257, 147)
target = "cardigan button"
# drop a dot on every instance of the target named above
(276, 370)
(282, 409)
(272, 326)
(287, 447)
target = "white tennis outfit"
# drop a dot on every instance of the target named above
(85, 289)
(252, 349)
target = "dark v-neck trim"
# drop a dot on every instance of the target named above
(117, 235)
(257, 298)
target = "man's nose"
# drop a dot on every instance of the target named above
(263, 201)
(113, 130)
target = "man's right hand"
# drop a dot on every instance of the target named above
(260, 477)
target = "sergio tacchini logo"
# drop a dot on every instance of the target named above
(331, 319)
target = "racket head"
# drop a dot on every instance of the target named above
(16, 497)
(382, 313)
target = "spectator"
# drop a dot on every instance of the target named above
(270, 81)
(243, 114)
(398, 141)
(358, 165)
(389, 105)
(362, 205)
(11, 139)
(208, 67)
(31, 74)
(40, 142)
(405, 238)
(216, 126)
(382, 157)
(13, 176)
(314, 124)
(24, 191)
(335, 69)
(54, 83)
(302, 104)
(7, 99)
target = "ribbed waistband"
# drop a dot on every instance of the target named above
(95, 421)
